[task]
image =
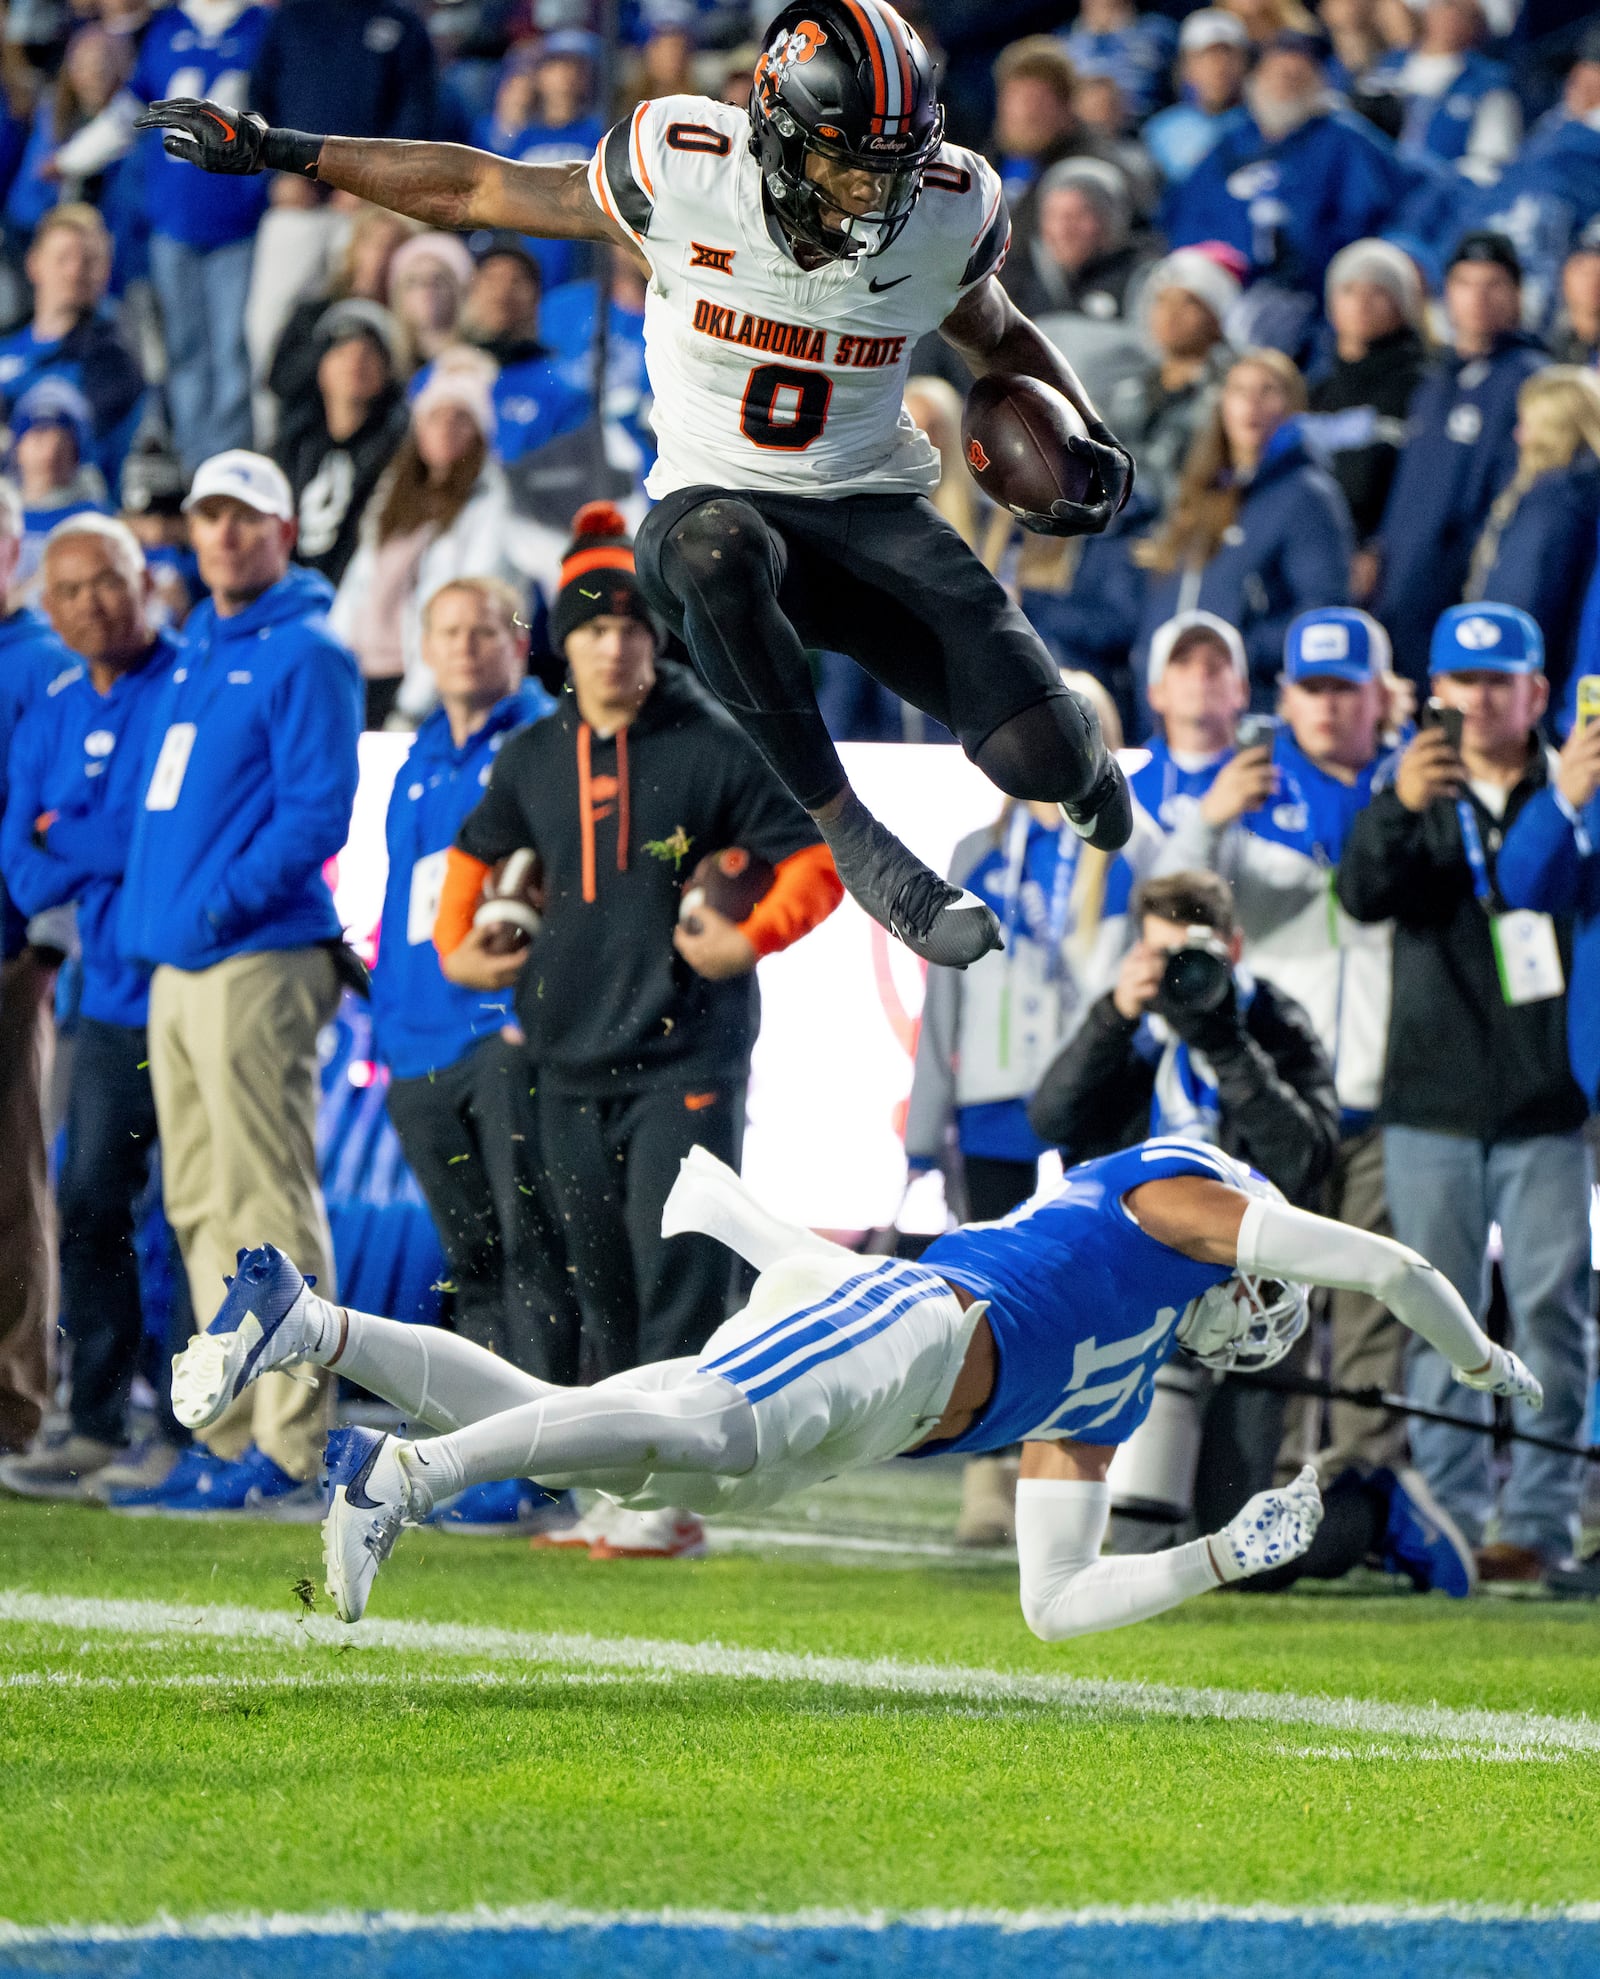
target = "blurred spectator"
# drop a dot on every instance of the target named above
(1214, 55)
(534, 400)
(1185, 301)
(33, 662)
(1356, 30)
(1537, 549)
(1245, 1073)
(935, 406)
(666, 62)
(440, 511)
(1135, 50)
(1481, 990)
(1459, 104)
(1273, 824)
(70, 336)
(461, 1084)
(1257, 532)
(362, 275)
(348, 68)
(93, 71)
(567, 325)
(1359, 405)
(202, 226)
(49, 441)
(516, 100)
(552, 86)
(1264, 20)
(1575, 339)
(75, 771)
(153, 487)
(1293, 179)
(738, 79)
(1460, 450)
(640, 1026)
(246, 795)
(337, 440)
(428, 279)
(1080, 260)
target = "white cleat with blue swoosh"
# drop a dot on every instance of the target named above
(265, 1322)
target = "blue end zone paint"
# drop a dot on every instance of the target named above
(1213, 1948)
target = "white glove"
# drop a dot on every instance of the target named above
(1505, 1375)
(1274, 1528)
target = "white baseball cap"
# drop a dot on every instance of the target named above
(244, 477)
(1212, 27)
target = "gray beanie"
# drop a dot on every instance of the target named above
(1105, 188)
(1387, 267)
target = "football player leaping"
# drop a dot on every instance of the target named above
(1047, 1327)
(796, 252)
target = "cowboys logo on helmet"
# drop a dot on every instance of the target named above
(843, 120)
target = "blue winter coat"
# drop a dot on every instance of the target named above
(247, 786)
(350, 68)
(1459, 453)
(1548, 861)
(421, 1021)
(1545, 559)
(1290, 549)
(80, 754)
(1439, 126)
(33, 663)
(1290, 205)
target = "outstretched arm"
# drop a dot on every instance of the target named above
(1217, 1225)
(447, 185)
(1063, 1504)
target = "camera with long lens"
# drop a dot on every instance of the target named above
(1197, 976)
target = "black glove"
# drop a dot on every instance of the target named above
(220, 139)
(1109, 491)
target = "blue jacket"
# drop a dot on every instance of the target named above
(92, 356)
(80, 754)
(1439, 126)
(1137, 57)
(248, 784)
(421, 1022)
(1548, 862)
(1459, 453)
(1545, 559)
(204, 210)
(33, 661)
(350, 68)
(1290, 205)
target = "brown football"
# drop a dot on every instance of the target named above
(1014, 434)
(729, 882)
(512, 908)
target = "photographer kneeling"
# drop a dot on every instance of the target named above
(1188, 1044)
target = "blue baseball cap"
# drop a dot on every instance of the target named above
(1486, 638)
(1336, 642)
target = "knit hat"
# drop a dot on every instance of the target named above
(1201, 272)
(459, 377)
(1105, 188)
(356, 317)
(1485, 245)
(1386, 267)
(54, 402)
(447, 249)
(598, 579)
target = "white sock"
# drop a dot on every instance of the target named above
(439, 1380)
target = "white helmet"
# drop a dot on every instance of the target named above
(1246, 1322)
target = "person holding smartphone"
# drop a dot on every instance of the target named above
(1482, 1118)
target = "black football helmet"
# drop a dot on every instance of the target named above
(850, 81)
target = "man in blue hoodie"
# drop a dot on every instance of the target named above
(247, 791)
(74, 776)
(32, 662)
(461, 1084)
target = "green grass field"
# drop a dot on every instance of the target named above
(159, 1761)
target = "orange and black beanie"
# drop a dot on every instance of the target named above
(598, 579)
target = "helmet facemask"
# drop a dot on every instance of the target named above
(1244, 1324)
(801, 202)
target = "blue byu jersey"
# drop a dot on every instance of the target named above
(1083, 1305)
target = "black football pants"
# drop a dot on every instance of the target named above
(751, 580)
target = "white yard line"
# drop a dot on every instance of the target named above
(563, 1917)
(1436, 1723)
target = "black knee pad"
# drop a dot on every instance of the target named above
(1051, 753)
(724, 542)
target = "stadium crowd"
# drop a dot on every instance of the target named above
(281, 466)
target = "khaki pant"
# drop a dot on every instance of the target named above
(233, 1061)
(27, 1214)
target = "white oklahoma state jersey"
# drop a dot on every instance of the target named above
(766, 375)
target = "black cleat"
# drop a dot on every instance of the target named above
(1103, 819)
(935, 920)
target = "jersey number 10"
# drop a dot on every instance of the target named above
(784, 408)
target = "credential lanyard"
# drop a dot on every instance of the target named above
(1472, 844)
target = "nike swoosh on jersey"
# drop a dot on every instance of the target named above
(878, 287)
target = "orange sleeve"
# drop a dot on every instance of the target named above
(803, 895)
(460, 900)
